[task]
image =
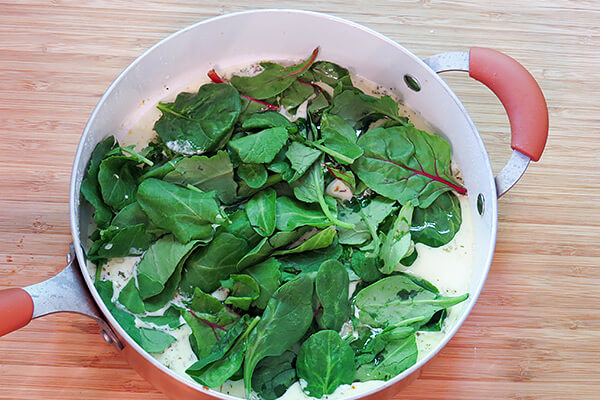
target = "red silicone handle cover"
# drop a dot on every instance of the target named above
(16, 310)
(520, 95)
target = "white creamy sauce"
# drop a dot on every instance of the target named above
(448, 267)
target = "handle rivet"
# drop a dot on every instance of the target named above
(106, 337)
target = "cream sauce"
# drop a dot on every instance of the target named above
(448, 267)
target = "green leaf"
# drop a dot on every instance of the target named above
(133, 214)
(211, 309)
(328, 72)
(296, 94)
(265, 248)
(90, 188)
(398, 356)
(293, 214)
(437, 224)
(309, 189)
(255, 175)
(285, 320)
(203, 337)
(130, 298)
(397, 243)
(353, 107)
(206, 173)
(151, 340)
(159, 263)
(274, 375)
(301, 158)
(406, 164)
(207, 266)
(339, 125)
(120, 242)
(161, 299)
(366, 266)
(214, 375)
(261, 212)
(201, 122)
(366, 221)
(188, 214)
(344, 151)
(331, 287)
(325, 362)
(310, 261)
(265, 120)
(347, 177)
(170, 319)
(398, 299)
(244, 290)
(117, 177)
(268, 276)
(261, 147)
(273, 80)
(318, 241)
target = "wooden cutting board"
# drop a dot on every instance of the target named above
(535, 332)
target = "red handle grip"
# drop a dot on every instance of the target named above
(16, 310)
(520, 95)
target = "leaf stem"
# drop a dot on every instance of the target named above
(330, 216)
(141, 157)
(331, 152)
(309, 62)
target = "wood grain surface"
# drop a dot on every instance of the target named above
(535, 332)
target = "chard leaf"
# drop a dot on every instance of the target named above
(206, 173)
(437, 224)
(255, 175)
(328, 72)
(331, 287)
(397, 243)
(207, 266)
(296, 94)
(261, 212)
(188, 214)
(268, 276)
(215, 374)
(273, 80)
(268, 119)
(322, 239)
(159, 263)
(353, 107)
(208, 308)
(301, 158)
(285, 320)
(261, 147)
(199, 122)
(406, 164)
(345, 151)
(203, 337)
(398, 299)
(339, 125)
(325, 362)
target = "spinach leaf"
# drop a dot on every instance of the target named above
(274, 375)
(320, 240)
(296, 94)
(397, 243)
(344, 151)
(159, 263)
(309, 189)
(273, 80)
(117, 177)
(261, 147)
(366, 266)
(397, 356)
(206, 173)
(200, 122)
(151, 340)
(353, 107)
(265, 248)
(171, 318)
(310, 261)
(244, 290)
(244, 190)
(160, 171)
(120, 242)
(241, 228)
(188, 214)
(130, 298)
(398, 299)
(261, 212)
(159, 300)
(90, 187)
(207, 266)
(215, 374)
(406, 164)
(291, 214)
(301, 158)
(286, 318)
(339, 125)
(268, 276)
(133, 214)
(325, 362)
(367, 349)
(255, 175)
(268, 119)
(331, 287)
(366, 221)
(437, 224)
